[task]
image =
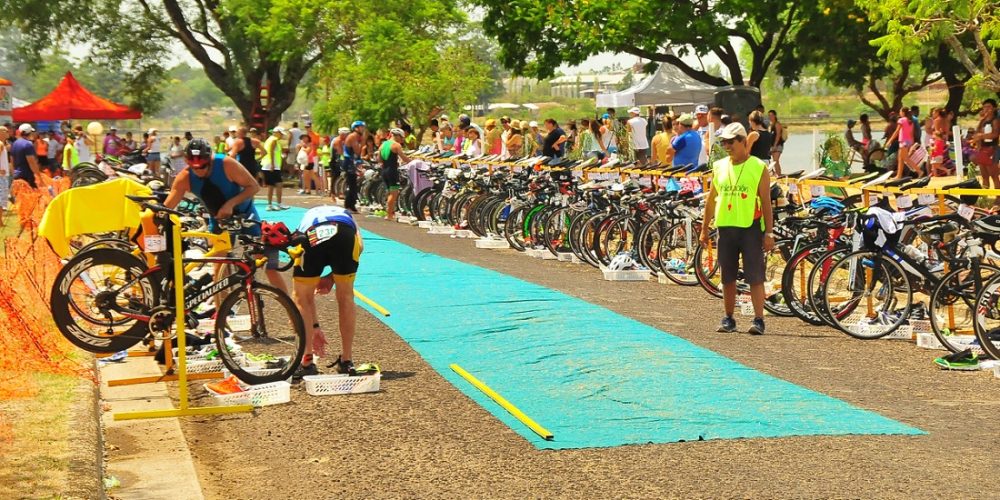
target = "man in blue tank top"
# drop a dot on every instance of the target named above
(226, 189)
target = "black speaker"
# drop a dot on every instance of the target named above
(738, 101)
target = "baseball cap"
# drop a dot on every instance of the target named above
(279, 130)
(491, 122)
(701, 109)
(635, 110)
(732, 131)
(309, 124)
(343, 130)
(25, 128)
(850, 123)
(504, 119)
(533, 124)
(444, 117)
(605, 116)
(113, 128)
(232, 128)
(687, 119)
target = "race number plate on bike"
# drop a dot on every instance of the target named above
(155, 243)
(319, 234)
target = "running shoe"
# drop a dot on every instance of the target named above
(302, 191)
(343, 366)
(961, 361)
(728, 325)
(271, 208)
(305, 371)
(757, 326)
(283, 207)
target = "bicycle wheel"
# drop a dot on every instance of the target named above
(775, 262)
(706, 267)
(817, 276)
(89, 290)
(867, 296)
(262, 340)
(794, 281)
(952, 309)
(676, 253)
(514, 228)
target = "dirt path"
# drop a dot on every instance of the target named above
(420, 437)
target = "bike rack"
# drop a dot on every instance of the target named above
(182, 375)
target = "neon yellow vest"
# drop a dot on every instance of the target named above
(736, 191)
(70, 156)
(324, 154)
(269, 145)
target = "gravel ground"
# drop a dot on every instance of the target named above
(420, 437)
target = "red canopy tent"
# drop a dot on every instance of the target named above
(70, 101)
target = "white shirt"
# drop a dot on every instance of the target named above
(296, 135)
(703, 156)
(4, 161)
(53, 148)
(229, 143)
(638, 125)
(83, 150)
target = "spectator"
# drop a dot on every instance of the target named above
(130, 144)
(473, 145)
(552, 146)
(663, 152)
(25, 160)
(572, 137)
(851, 141)
(188, 137)
(531, 143)
(4, 169)
(590, 139)
(494, 137)
(84, 145)
(609, 141)
(410, 141)
(915, 123)
(939, 155)
(42, 150)
(54, 150)
(294, 136)
(740, 205)
(153, 151)
(640, 144)
(890, 130)
(446, 138)
(435, 130)
(271, 167)
(778, 136)
(686, 142)
(987, 132)
(537, 135)
(337, 161)
(306, 159)
(515, 141)
(866, 132)
(505, 136)
(222, 143)
(903, 135)
(759, 139)
(701, 124)
(70, 155)
(176, 155)
(245, 150)
(113, 144)
(231, 138)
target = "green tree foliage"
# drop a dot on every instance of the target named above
(537, 37)
(970, 28)
(397, 72)
(834, 38)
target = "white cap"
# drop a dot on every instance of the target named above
(343, 130)
(152, 131)
(279, 130)
(635, 110)
(533, 124)
(701, 109)
(25, 128)
(732, 131)
(444, 117)
(232, 128)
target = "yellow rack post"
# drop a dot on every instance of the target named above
(182, 375)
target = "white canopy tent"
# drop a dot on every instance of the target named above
(667, 86)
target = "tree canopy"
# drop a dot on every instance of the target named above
(537, 37)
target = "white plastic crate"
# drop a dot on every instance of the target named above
(662, 279)
(424, 224)
(464, 233)
(436, 229)
(404, 219)
(205, 366)
(491, 243)
(996, 371)
(904, 332)
(540, 253)
(260, 372)
(256, 395)
(565, 256)
(575, 260)
(331, 385)
(632, 275)
(928, 341)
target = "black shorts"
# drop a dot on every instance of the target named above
(272, 177)
(341, 252)
(745, 241)
(309, 167)
(253, 169)
(391, 179)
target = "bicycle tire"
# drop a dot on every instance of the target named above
(64, 308)
(945, 294)
(677, 237)
(260, 340)
(794, 281)
(881, 279)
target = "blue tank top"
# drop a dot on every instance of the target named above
(323, 214)
(216, 189)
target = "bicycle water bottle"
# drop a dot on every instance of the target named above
(915, 253)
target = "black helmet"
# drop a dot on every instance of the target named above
(198, 153)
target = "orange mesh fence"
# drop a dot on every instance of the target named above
(29, 340)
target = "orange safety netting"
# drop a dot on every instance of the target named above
(29, 340)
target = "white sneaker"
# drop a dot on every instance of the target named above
(283, 207)
(270, 208)
(302, 191)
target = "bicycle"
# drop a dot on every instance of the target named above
(122, 299)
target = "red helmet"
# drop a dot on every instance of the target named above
(275, 234)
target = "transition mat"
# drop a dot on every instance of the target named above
(592, 377)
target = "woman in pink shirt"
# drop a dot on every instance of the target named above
(904, 133)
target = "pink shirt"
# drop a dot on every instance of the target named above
(905, 131)
(940, 146)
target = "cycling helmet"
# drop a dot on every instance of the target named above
(357, 124)
(275, 234)
(397, 131)
(198, 153)
(622, 262)
(827, 204)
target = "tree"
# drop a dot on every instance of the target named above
(537, 37)
(399, 73)
(833, 38)
(912, 23)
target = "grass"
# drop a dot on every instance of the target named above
(37, 462)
